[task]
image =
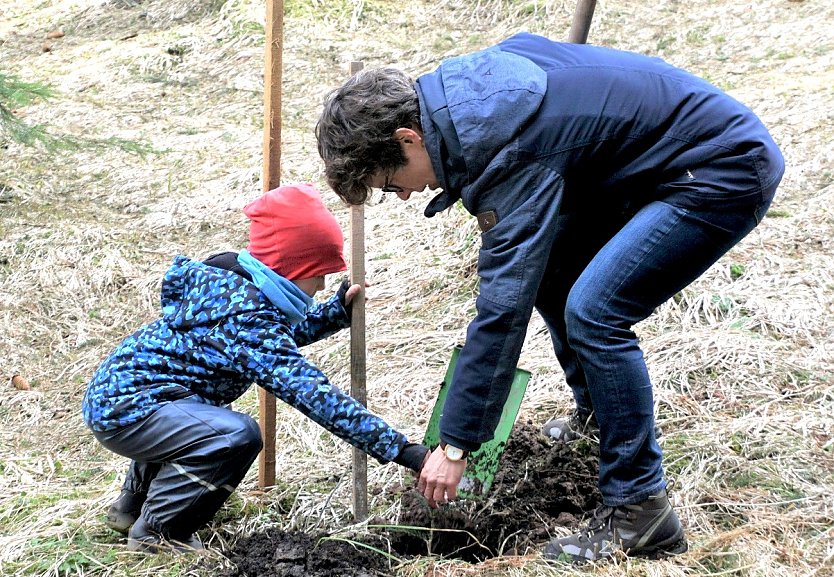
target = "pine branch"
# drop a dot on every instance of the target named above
(16, 93)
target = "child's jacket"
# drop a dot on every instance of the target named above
(218, 334)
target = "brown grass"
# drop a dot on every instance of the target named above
(743, 361)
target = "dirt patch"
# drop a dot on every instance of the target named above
(276, 553)
(541, 484)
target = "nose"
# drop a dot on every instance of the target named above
(404, 195)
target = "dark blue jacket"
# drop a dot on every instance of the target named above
(532, 128)
(219, 334)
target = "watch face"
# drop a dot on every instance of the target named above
(453, 453)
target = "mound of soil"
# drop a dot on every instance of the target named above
(540, 484)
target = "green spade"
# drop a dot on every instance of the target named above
(483, 463)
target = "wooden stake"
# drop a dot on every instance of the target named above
(581, 24)
(274, 29)
(357, 343)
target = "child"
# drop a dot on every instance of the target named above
(161, 397)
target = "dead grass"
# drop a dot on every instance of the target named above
(743, 361)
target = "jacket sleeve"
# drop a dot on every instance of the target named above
(511, 264)
(323, 320)
(272, 360)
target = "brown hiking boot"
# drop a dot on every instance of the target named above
(648, 529)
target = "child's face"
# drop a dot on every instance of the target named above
(311, 285)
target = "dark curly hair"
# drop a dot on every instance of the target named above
(355, 132)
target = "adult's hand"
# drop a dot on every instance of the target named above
(439, 478)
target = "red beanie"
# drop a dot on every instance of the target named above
(294, 234)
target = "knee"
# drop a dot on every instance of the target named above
(246, 438)
(584, 320)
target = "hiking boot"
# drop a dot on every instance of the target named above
(124, 511)
(572, 427)
(648, 529)
(141, 538)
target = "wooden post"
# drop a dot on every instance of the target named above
(274, 29)
(357, 343)
(581, 24)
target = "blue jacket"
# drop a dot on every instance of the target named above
(531, 128)
(219, 334)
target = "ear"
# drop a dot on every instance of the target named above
(408, 135)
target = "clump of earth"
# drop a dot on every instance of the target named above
(540, 484)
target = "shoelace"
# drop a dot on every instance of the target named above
(600, 519)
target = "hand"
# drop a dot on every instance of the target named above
(352, 291)
(439, 478)
(347, 292)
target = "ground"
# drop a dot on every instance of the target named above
(540, 485)
(277, 553)
(742, 360)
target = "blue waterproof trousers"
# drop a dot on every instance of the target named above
(187, 457)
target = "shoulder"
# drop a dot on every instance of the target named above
(488, 73)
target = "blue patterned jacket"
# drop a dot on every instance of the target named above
(219, 334)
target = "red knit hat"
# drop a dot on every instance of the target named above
(294, 234)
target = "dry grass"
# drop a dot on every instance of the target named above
(743, 361)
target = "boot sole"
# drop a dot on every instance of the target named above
(662, 551)
(657, 552)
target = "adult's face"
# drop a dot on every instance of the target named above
(416, 175)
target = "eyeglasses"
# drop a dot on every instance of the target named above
(390, 187)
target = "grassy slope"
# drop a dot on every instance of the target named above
(742, 360)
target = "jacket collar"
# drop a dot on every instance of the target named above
(442, 142)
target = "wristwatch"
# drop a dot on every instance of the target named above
(453, 453)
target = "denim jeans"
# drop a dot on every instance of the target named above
(187, 457)
(606, 273)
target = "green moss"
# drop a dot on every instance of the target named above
(736, 271)
(664, 43)
(697, 36)
(443, 43)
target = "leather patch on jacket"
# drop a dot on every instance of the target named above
(486, 220)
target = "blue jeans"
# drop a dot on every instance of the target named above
(605, 274)
(187, 457)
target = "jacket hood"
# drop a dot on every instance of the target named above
(472, 107)
(195, 294)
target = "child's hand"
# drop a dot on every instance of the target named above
(352, 291)
(347, 292)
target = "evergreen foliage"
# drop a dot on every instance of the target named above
(16, 93)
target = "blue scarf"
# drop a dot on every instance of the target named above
(287, 298)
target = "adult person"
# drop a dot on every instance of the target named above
(604, 182)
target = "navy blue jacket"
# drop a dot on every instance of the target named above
(218, 334)
(532, 128)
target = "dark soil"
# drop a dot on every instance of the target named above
(276, 553)
(540, 484)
